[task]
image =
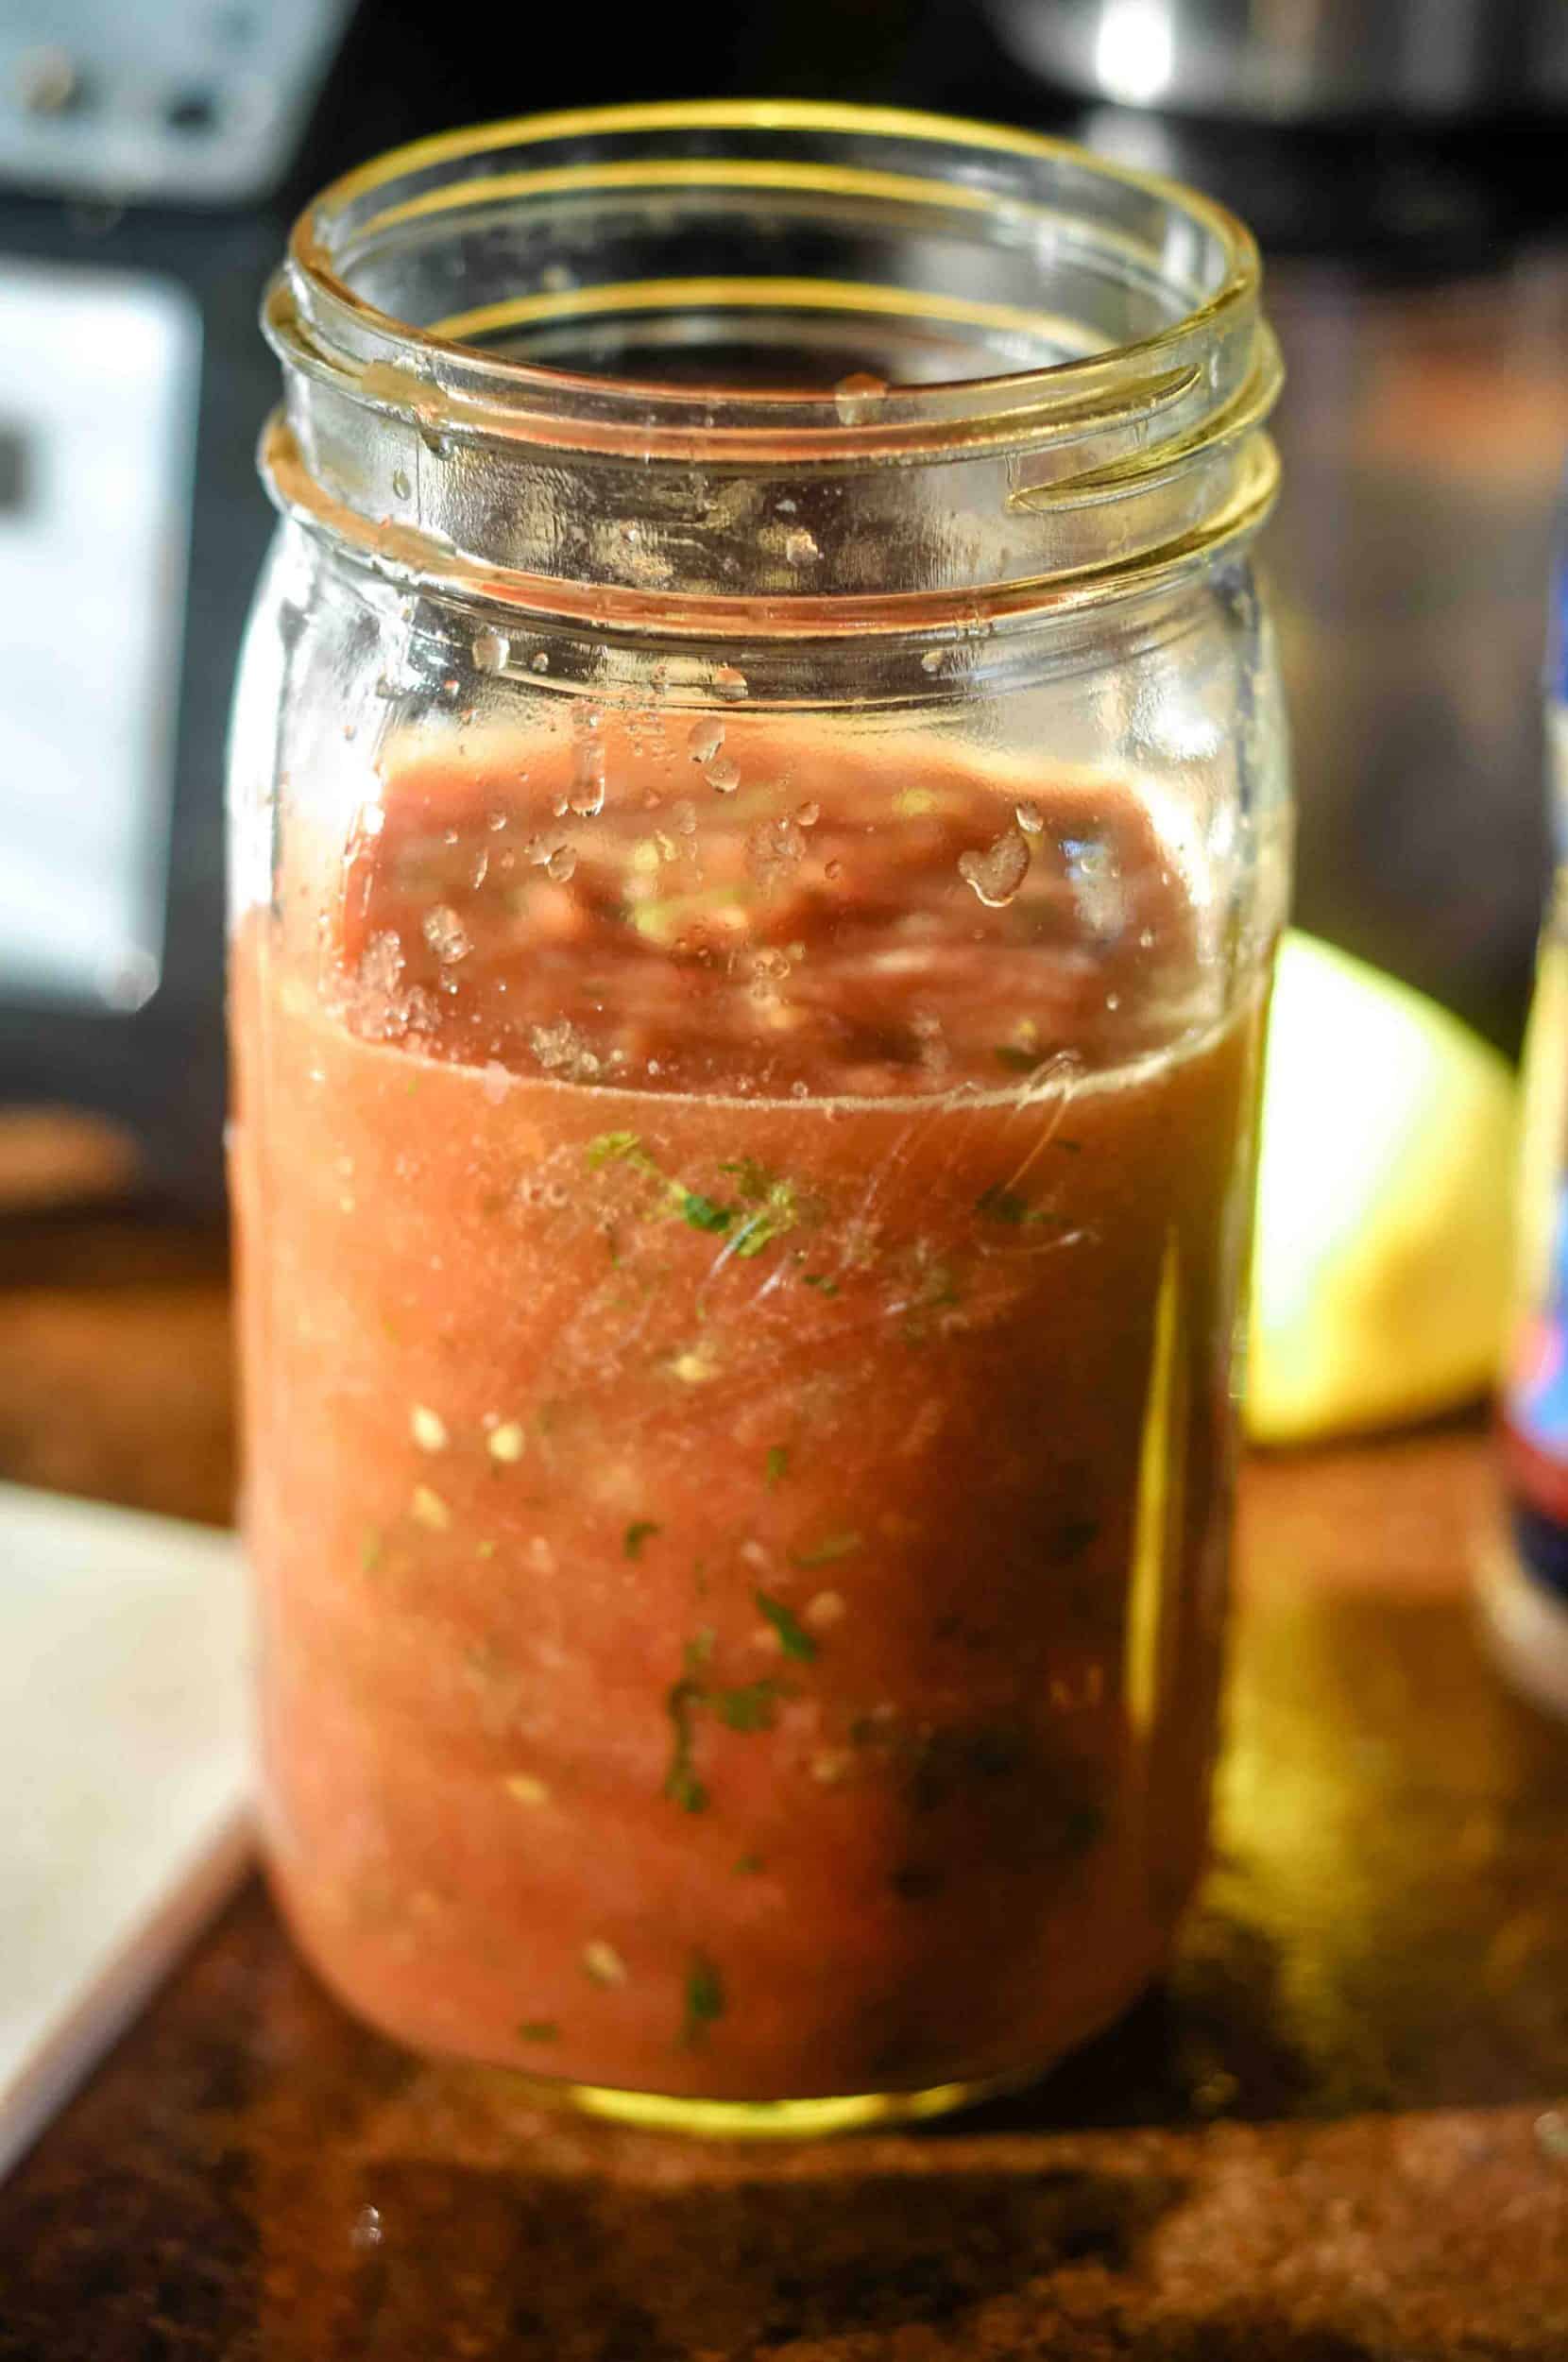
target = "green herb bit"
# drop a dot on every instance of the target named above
(640, 1529)
(836, 1546)
(821, 1281)
(704, 1213)
(754, 1181)
(1017, 1061)
(372, 1549)
(793, 1637)
(776, 1466)
(699, 1649)
(538, 2030)
(704, 2000)
(1002, 1204)
(749, 1865)
(681, 1784)
(775, 1203)
(618, 1148)
(751, 1708)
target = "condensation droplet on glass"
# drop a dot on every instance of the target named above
(728, 681)
(995, 874)
(833, 870)
(490, 650)
(382, 963)
(808, 815)
(1146, 940)
(1113, 1002)
(400, 485)
(494, 1081)
(773, 849)
(723, 773)
(856, 397)
(349, 732)
(800, 547)
(705, 738)
(683, 817)
(555, 278)
(932, 659)
(481, 869)
(562, 862)
(797, 1091)
(586, 796)
(366, 2230)
(445, 932)
(495, 820)
(539, 662)
(1029, 817)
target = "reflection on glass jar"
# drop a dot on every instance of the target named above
(760, 826)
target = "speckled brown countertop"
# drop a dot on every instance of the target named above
(1336, 2136)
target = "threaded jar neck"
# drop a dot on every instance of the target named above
(809, 368)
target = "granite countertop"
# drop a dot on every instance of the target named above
(1340, 2133)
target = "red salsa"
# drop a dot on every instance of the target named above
(738, 1339)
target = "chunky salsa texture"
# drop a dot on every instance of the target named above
(738, 1281)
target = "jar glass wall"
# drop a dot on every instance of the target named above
(760, 823)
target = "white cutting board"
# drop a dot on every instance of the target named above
(123, 1776)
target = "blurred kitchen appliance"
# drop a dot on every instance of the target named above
(1294, 61)
(187, 101)
(133, 384)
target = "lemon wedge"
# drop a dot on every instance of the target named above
(1381, 1271)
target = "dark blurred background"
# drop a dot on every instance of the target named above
(1402, 160)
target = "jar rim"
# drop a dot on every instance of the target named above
(609, 411)
(1130, 445)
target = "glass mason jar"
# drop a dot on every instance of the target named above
(760, 821)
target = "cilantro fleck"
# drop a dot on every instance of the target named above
(1002, 1204)
(681, 1784)
(640, 1529)
(793, 1637)
(704, 1213)
(774, 1203)
(821, 1281)
(750, 1707)
(617, 1148)
(836, 1546)
(371, 1549)
(748, 1865)
(1017, 1061)
(753, 1180)
(704, 2000)
(777, 1467)
(538, 2030)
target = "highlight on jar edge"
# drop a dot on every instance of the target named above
(760, 826)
